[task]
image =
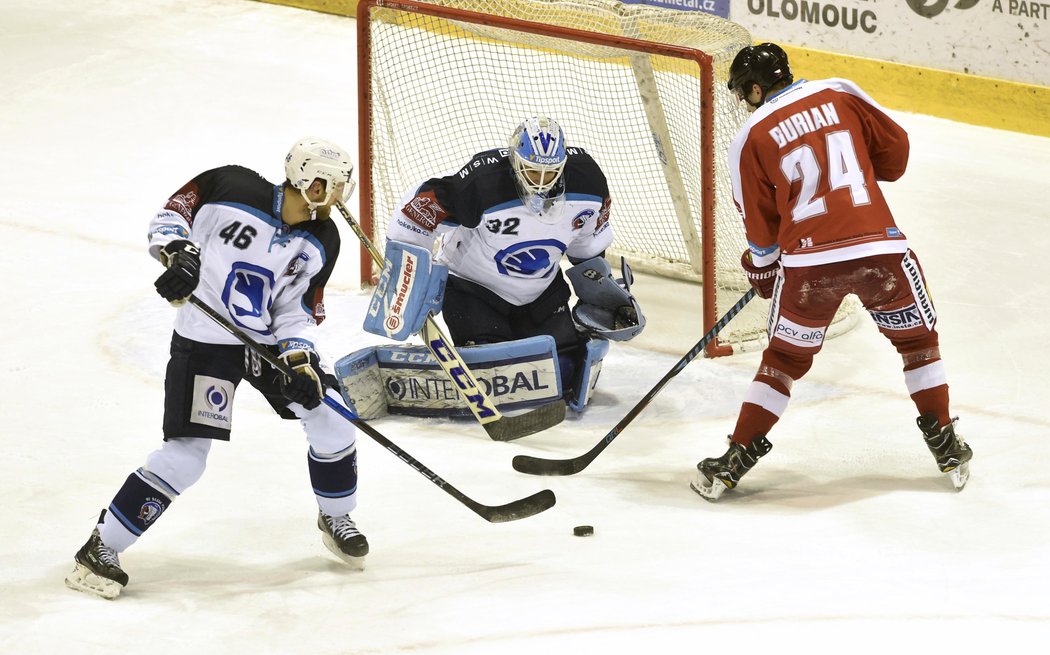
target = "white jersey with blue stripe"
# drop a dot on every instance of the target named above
(487, 235)
(263, 275)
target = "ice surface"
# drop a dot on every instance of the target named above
(845, 536)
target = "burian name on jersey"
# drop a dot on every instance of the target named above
(804, 122)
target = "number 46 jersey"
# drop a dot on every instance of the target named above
(805, 169)
(265, 276)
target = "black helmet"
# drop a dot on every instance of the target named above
(764, 64)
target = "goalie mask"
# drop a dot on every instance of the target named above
(314, 158)
(537, 155)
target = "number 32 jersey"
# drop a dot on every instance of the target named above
(263, 275)
(487, 235)
(805, 169)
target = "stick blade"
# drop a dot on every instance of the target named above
(539, 419)
(539, 466)
(538, 502)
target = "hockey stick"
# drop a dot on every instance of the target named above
(512, 511)
(539, 466)
(498, 426)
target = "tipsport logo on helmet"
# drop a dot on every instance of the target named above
(546, 161)
(542, 143)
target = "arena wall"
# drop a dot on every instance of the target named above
(980, 62)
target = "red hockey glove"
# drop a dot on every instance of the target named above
(762, 278)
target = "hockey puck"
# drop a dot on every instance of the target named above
(583, 530)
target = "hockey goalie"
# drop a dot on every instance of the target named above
(483, 246)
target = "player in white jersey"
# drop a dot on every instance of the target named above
(260, 255)
(501, 224)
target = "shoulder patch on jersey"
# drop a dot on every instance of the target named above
(603, 216)
(425, 211)
(318, 304)
(297, 264)
(185, 201)
(579, 220)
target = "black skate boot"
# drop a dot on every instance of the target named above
(716, 474)
(949, 449)
(343, 538)
(97, 570)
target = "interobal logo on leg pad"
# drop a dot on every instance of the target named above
(212, 402)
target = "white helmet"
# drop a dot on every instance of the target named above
(313, 158)
(537, 155)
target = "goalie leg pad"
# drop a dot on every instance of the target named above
(594, 352)
(408, 380)
(361, 383)
(411, 288)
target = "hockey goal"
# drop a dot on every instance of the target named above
(641, 88)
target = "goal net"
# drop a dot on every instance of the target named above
(640, 88)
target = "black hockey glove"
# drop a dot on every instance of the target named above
(304, 387)
(762, 278)
(182, 259)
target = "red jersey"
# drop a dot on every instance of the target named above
(805, 169)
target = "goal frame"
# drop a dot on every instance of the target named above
(707, 125)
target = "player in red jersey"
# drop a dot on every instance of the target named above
(805, 169)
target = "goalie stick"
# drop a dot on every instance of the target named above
(498, 426)
(512, 511)
(540, 466)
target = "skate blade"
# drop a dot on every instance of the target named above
(82, 579)
(356, 563)
(959, 475)
(709, 489)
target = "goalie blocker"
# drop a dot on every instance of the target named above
(411, 288)
(520, 374)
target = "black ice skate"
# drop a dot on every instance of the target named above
(343, 538)
(951, 452)
(715, 475)
(97, 570)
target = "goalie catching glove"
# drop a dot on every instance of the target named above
(304, 386)
(762, 278)
(606, 307)
(411, 288)
(182, 259)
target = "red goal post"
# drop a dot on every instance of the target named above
(640, 88)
